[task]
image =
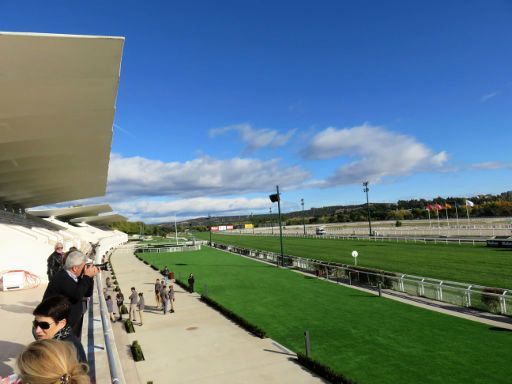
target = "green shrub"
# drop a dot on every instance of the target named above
(153, 267)
(137, 351)
(124, 310)
(398, 223)
(117, 289)
(115, 282)
(255, 330)
(129, 327)
(323, 370)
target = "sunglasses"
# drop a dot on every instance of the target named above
(42, 324)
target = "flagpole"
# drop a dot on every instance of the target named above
(429, 221)
(176, 229)
(457, 218)
(446, 210)
(467, 211)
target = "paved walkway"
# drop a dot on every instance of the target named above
(16, 326)
(196, 344)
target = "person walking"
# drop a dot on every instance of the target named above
(140, 307)
(165, 299)
(119, 302)
(191, 281)
(171, 298)
(165, 272)
(158, 288)
(110, 308)
(133, 304)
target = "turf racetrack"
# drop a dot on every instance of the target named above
(367, 338)
(463, 263)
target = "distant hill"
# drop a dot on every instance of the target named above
(484, 206)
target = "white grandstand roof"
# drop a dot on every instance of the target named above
(66, 214)
(103, 219)
(57, 104)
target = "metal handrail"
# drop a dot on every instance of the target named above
(114, 362)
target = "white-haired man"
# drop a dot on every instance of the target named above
(74, 281)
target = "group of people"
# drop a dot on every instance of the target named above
(164, 296)
(57, 355)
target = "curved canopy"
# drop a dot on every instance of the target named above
(57, 104)
(100, 220)
(65, 214)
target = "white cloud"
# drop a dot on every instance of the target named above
(488, 96)
(164, 211)
(205, 176)
(255, 138)
(377, 153)
(492, 165)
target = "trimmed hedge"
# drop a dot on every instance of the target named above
(129, 326)
(137, 351)
(322, 370)
(255, 330)
(124, 310)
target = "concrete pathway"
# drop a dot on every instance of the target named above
(16, 326)
(196, 344)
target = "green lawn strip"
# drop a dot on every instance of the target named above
(463, 263)
(367, 338)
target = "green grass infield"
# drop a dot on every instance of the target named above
(463, 263)
(366, 338)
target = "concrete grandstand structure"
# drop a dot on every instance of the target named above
(57, 106)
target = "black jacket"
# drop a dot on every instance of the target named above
(82, 358)
(54, 264)
(63, 284)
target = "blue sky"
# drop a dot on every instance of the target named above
(220, 101)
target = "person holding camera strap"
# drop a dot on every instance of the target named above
(74, 281)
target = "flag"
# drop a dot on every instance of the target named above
(428, 207)
(447, 206)
(438, 206)
(469, 203)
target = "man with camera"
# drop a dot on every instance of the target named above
(74, 281)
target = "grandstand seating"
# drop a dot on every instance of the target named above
(27, 241)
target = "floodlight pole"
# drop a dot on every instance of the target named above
(176, 229)
(303, 220)
(366, 189)
(271, 222)
(280, 225)
(210, 225)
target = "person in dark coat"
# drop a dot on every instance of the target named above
(55, 261)
(51, 322)
(119, 302)
(76, 283)
(191, 281)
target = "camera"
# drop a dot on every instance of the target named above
(102, 266)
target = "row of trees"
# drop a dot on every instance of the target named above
(484, 206)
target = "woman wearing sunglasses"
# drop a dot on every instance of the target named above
(51, 322)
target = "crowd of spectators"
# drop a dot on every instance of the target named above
(57, 355)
